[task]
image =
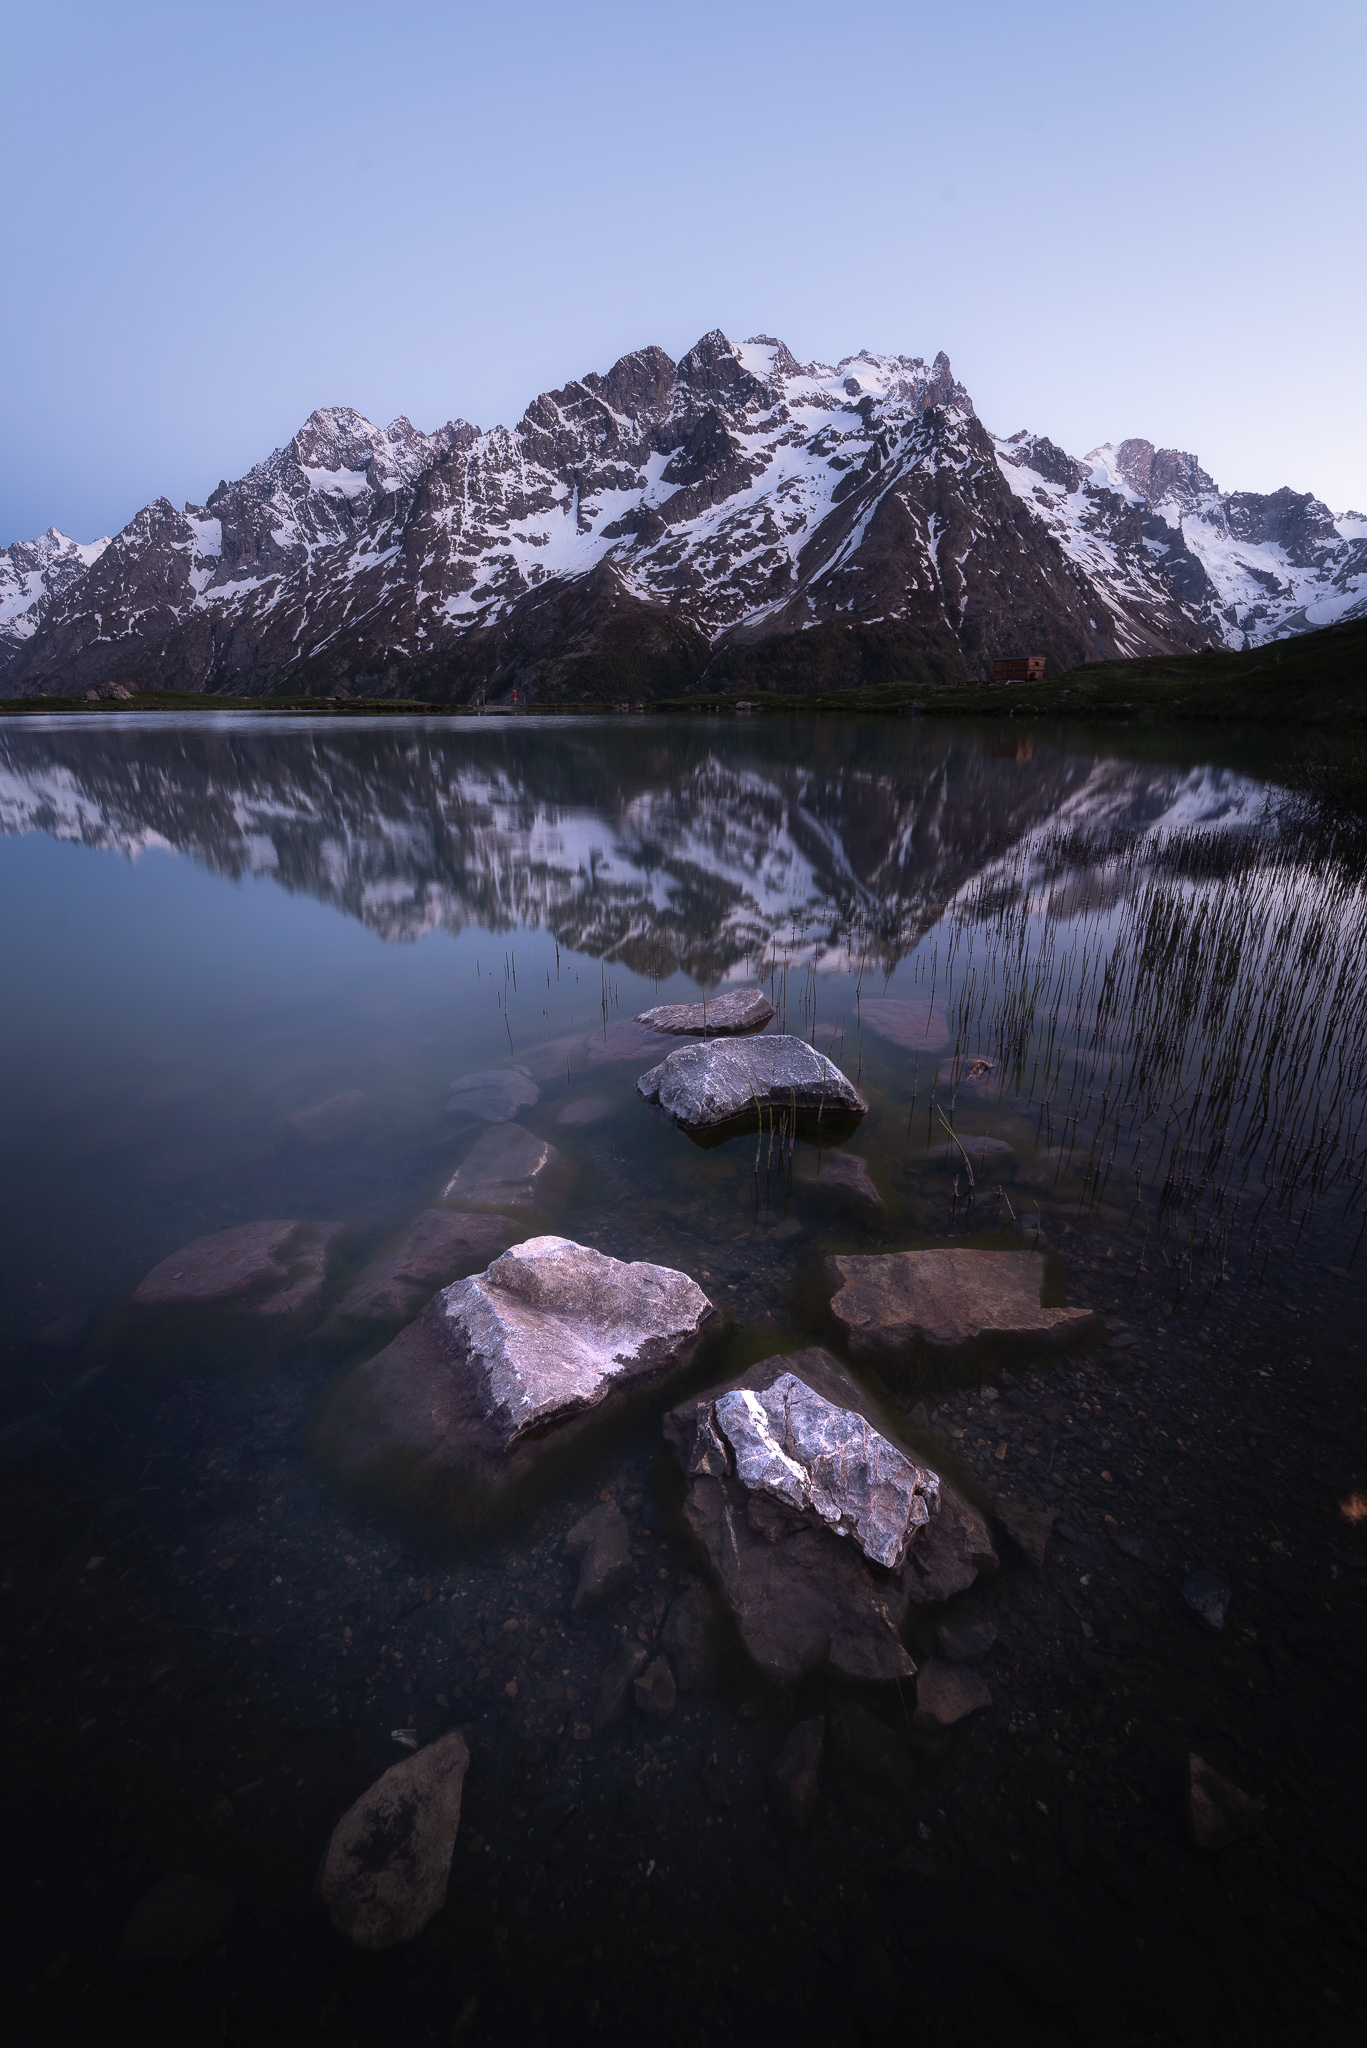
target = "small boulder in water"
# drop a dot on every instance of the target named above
(738, 1010)
(497, 1363)
(725, 1081)
(822, 1531)
(177, 1918)
(384, 1873)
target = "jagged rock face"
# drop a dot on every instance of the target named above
(1248, 565)
(33, 575)
(638, 528)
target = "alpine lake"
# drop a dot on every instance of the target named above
(1104, 996)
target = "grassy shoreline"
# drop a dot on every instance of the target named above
(1314, 679)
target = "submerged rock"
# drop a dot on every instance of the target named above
(616, 1683)
(796, 1493)
(586, 1109)
(385, 1870)
(334, 1118)
(655, 1691)
(270, 1269)
(963, 1642)
(626, 1040)
(797, 1768)
(893, 1300)
(177, 1919)
(431, 1252)
(494, 1096)
(1028, 1526)
(981, 1151)
(1216, 1812)
(947, 1694)
(1206, 1599)
(602, 1543)
(915, 1026)
(739, 1009)
(847, 1175)
(526, 1348)
(506, 1168)
(685, 1636)
(704, 1087)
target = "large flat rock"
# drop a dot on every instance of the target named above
(507, 1167)
(385, 1871)
(437, 1247)
(796, 1512)
(725, 1081)
(494, 1096)
(500, 1364)
(275, 1268)
(948, 1298)
(738, 1010)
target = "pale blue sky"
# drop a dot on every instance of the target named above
(1116, 219)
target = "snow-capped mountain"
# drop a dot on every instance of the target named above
(1252, 565)
(735, 515)
(32, 574)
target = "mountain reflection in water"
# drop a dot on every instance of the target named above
(662, 846)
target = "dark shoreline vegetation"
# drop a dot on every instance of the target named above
(211, 1635)
(1310, 679)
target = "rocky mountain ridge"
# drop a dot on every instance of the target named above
(733, 519)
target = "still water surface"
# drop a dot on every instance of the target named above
(1102, 998)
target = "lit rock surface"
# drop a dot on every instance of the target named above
(701, 1087)
(741, 1009)
(493, 1097)
(948, 1298)
(801, 1594)
(794, 1444)
(386, 1868)
(505, 1168)
(538, 1341)
(431, 1253)
(272, 1269)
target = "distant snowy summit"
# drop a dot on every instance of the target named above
(735, 516)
